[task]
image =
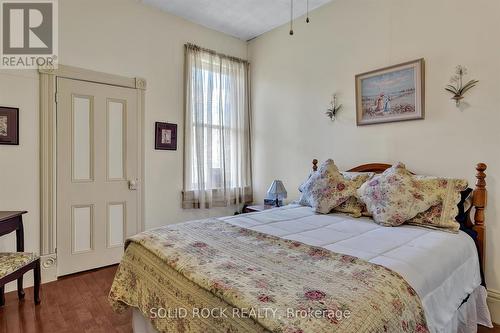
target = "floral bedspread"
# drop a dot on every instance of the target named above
(266, 283)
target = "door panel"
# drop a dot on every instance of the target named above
(116, 139)
(116, 223)
(82, 137)
(97, 155)
(82, 227)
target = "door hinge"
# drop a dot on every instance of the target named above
(57, 97)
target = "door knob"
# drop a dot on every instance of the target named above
(132, 184)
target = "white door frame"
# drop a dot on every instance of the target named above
(48, 162)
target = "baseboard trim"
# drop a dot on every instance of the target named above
(48, 264)
(494, 305)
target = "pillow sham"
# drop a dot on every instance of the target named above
(353, 205)
(444, 215)
(301, 186)
(326, 189)
(396, 196)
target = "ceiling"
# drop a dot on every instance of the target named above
(244, 19)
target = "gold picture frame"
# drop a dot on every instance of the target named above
(391, 94)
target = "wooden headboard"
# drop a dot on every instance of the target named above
(479, 198)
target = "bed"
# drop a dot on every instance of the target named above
(208, 276)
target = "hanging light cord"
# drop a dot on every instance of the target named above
(291, 17)
(307, 18)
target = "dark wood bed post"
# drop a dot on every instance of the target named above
(479, 201)
(479, 198)
(315, 165)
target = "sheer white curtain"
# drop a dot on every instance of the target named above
(217, 162)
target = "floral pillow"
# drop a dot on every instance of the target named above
(326, 189)
(397, 196)
(353, 205)
(301, 186)
(443, 215)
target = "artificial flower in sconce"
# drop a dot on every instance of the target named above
(333, 109)
(457, 88)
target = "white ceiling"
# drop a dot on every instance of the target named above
(244, 19)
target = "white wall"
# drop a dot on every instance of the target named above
(121, 37)
(19, 165)
(293, 79)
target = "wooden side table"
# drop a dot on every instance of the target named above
(256, 208)
(13, 221)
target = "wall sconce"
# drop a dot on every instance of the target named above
(333, 109)
(456, 86)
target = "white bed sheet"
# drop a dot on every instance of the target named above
(442, 267)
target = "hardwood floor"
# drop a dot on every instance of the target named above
(76, 303)
(482, 329)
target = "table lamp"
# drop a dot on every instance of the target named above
(277, 190)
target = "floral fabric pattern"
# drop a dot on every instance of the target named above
(353, 206)
(241, 269)
(327, 189)
(145, 282)
(301, 186)
(397, 196)
(12, 261)
(443, 215)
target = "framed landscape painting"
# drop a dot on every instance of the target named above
(391, 94)
(9, 126)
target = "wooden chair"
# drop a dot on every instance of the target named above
(13, 265)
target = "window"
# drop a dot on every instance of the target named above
(217, 131)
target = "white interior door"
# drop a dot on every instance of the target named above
(97, 173)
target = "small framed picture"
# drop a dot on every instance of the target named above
(9, 126)
(166, 136)
(391, 94)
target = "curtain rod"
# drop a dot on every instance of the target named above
(222, 55)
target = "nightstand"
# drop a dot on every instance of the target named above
(256, 208)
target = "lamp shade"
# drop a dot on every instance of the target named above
(277, 190)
